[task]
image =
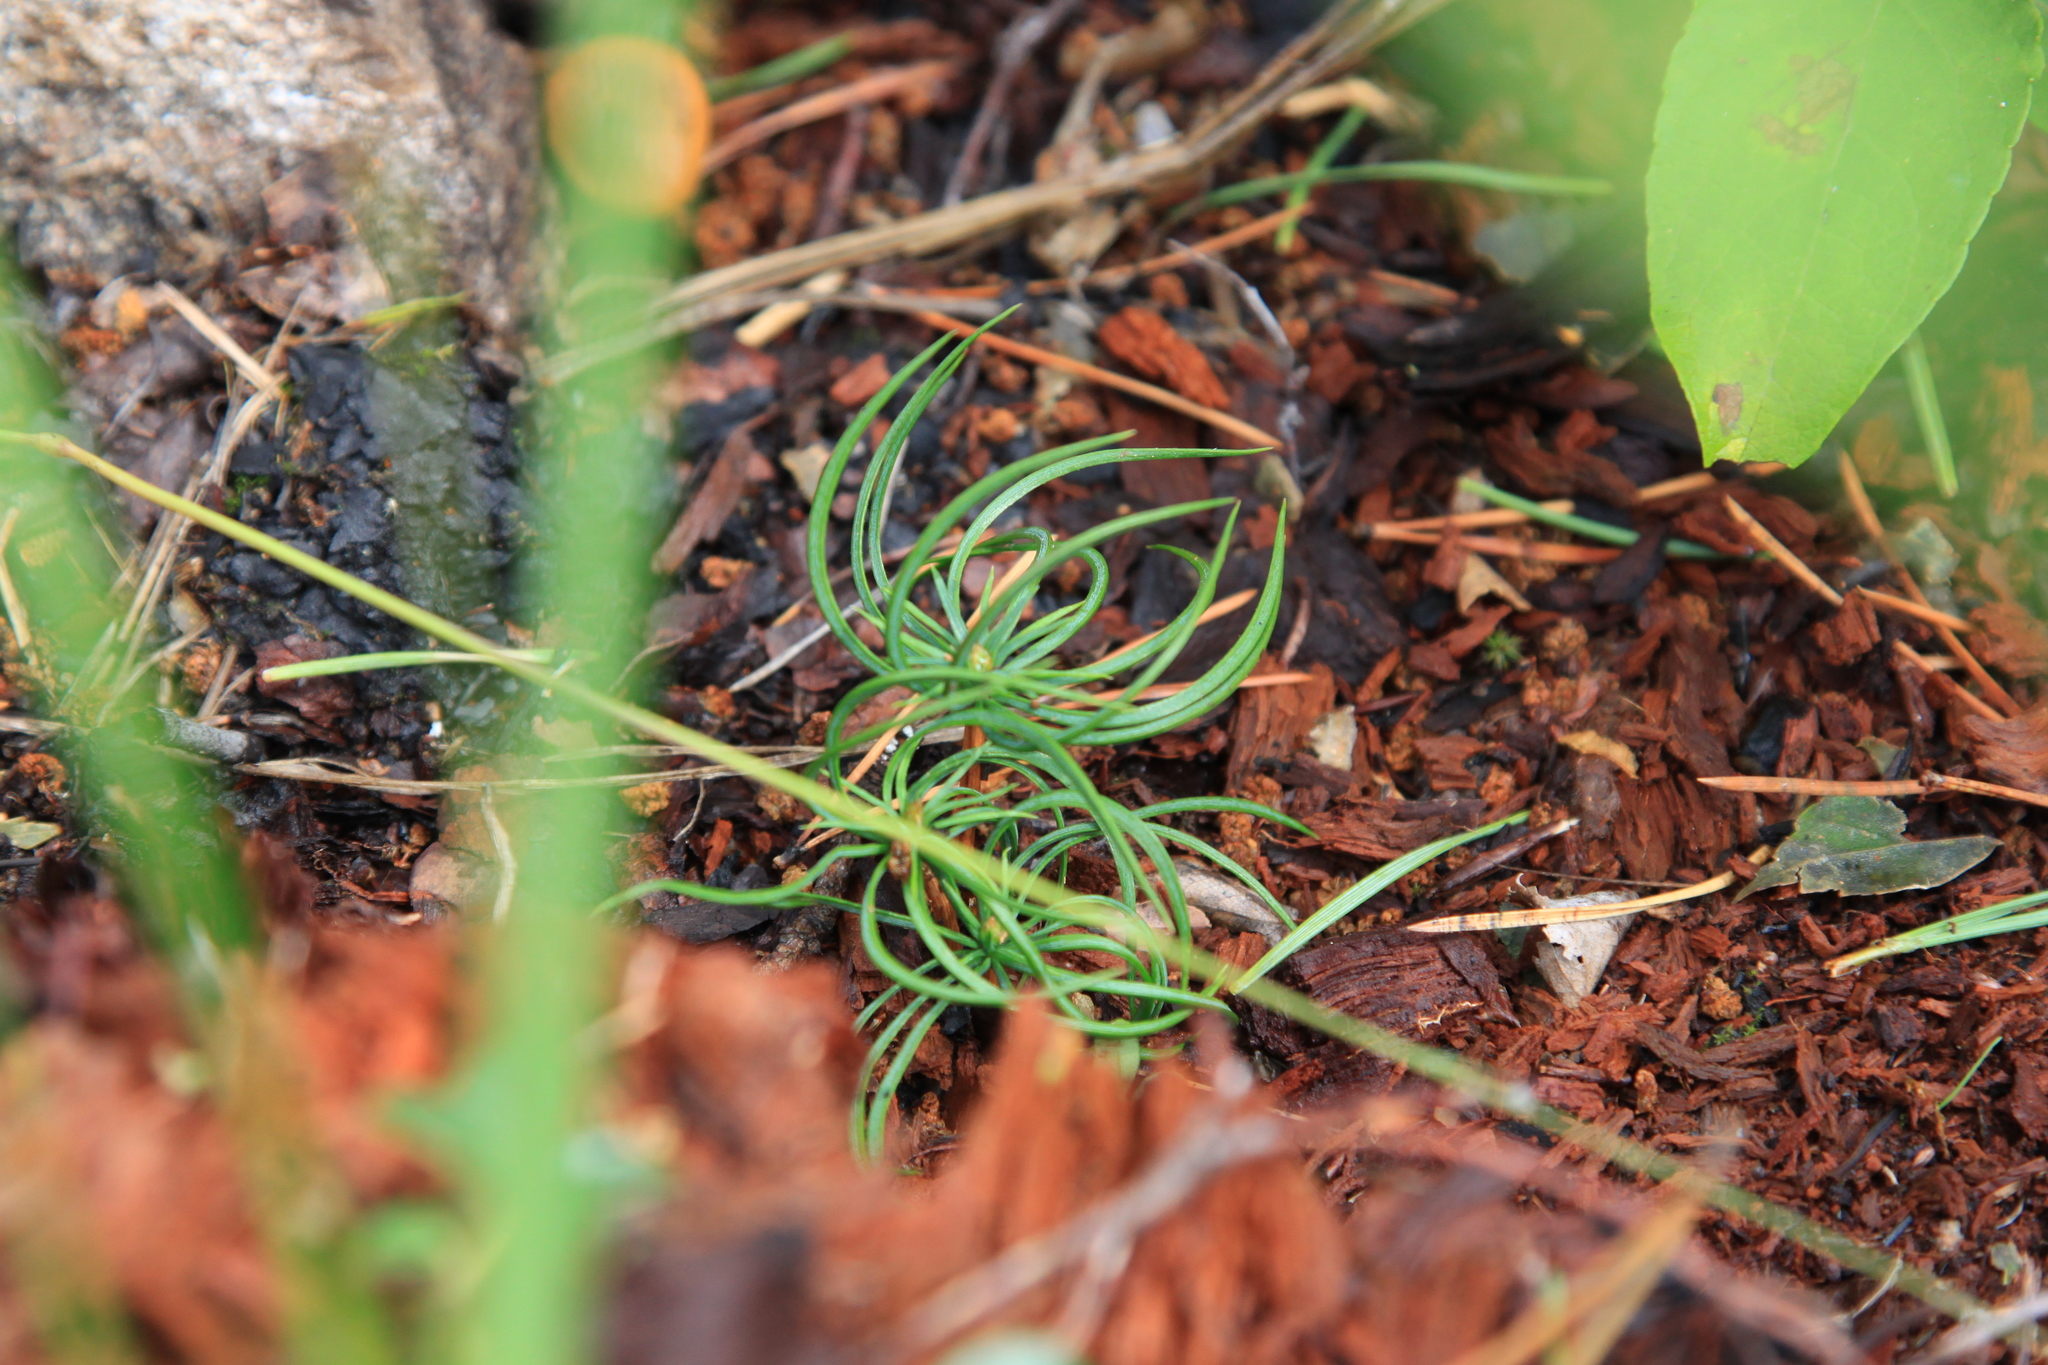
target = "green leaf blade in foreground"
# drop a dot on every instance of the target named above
(1819, 171)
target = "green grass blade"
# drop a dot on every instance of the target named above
(791, 66)
(1328, 150)
(1584, 526)
(1363, 891)
(1437, 172)
(397, 658)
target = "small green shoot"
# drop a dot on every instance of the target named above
(1501, 650)
(1971, 1074)
(404, 311)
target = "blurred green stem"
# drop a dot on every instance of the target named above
(792, 66)
(1927, 411)
(1439, 172)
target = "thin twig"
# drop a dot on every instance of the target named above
(332, 773)
(998, 585)
(1117, 276)
(169, 535)
(1012, 50)
(782, 660)
(1945, 631)
(508, 866)
(1901, 606)
(1220, 608)
(1463, 521)
(1506, 853)
(1975, 703)
(217, 687)
(1304, 607)
(1555, 552)
(1761, 537)
(1904, 786)
(1095, 374)
(1943, 782)
(1811, 786)
(844, 172)
(1159, 690)
(251, 369)
(1112, 277)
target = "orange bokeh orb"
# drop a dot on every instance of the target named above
(628, 120)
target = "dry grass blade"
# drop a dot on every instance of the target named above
(1810, 786)
(1337, 42)
(1900, 606)
(247, 365)
(1969, 1337)
(1555, 552)
(1576, 914)
(334, 773)
(1946, 627)
(1904, 786)
(1761, 537)
(17, 613)
(1975, 703)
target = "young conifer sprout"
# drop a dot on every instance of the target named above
(1005, 778)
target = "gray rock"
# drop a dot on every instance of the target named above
(138, 136)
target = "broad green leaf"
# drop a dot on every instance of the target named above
(1819, 170)
(1856, 845)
